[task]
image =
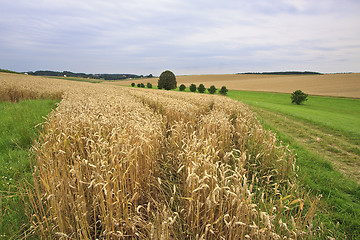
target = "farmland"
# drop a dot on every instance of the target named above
(325, 135)
(338, 85)
(132, 163)
(114, 162)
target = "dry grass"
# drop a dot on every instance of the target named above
(339, 85)
(143, 164)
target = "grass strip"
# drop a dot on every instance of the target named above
(17, 132)
(340, 205)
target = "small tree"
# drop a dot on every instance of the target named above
(298, 97)
(167, 80)
(133, 84)
(201, 88)
(149, 85)
(182, 87)
(138, 85)
(142, 85)
(193, 87)
(212, 89)
(223, 90)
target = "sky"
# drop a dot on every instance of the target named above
(184, 36)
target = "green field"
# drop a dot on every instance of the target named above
(18, 129)
(341, 114)
(325, 134)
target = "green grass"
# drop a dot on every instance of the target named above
(339, 208)
(340, 114)
(326, 165)
(18, 130)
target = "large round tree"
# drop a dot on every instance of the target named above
(167, 80)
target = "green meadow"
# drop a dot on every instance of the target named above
(340, 114)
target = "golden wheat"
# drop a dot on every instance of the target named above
(122, 163)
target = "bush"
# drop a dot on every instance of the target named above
(142, 85)
(298, 97)
(133, 84)
(138, 85)
(193, 87)
(212, 89)
(167, 80)
(182, 87)
(149, 85)
(201, 88)
(223, 90)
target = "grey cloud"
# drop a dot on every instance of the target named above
(189, 36)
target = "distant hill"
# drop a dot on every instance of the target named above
(8, 71)
(104, 76)
(285, 73)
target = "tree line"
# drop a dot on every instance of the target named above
(104, 76)
(167, 81)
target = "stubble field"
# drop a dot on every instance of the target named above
(337, 85)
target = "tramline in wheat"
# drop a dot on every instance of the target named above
(116, 162)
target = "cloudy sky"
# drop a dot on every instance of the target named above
(185, 36)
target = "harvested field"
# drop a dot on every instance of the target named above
(338, 85)
(115, 162)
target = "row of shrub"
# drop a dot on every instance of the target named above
(202, 89)
(193, 88)
(148, 85)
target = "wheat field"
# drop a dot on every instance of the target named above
(337, 85)
(123, 163)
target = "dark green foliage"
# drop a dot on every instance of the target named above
(212, 89)
(201, 88)
(167, 80)
(298, 97)
(182, 87)
(223, 90)
(159, 87)
(138, 85)
(193, 87)
(149, 85)
(142, 85)
(133, 84)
